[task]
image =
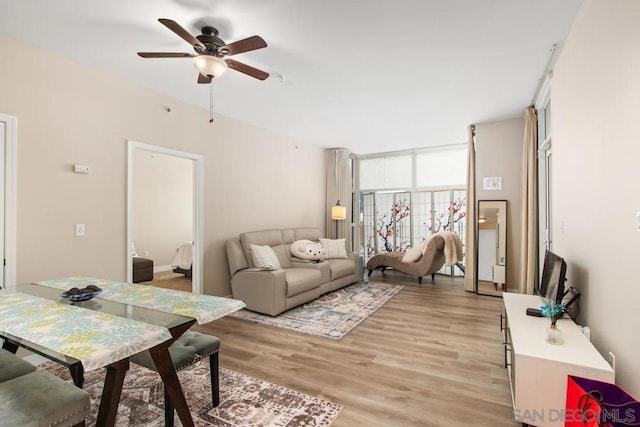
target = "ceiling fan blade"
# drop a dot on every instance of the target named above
(165, 55)
(184, 34)
(247, 69)
(203, 79)
(244, 45)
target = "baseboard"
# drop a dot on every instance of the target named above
(162, 268)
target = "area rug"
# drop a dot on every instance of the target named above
(332, 315)
(244, 401)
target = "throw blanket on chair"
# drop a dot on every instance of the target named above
(184, 256)
(452, 247)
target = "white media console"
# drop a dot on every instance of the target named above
(538, 370)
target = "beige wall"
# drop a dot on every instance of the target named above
(596, 195)
(69, 113)
(162, 205)
(499, 154)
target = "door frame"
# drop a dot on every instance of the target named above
(10, 199)
(198, 206)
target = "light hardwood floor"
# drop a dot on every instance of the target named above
(488, 288)
(170, 280)
(432, 356)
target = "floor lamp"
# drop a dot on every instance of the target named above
(338, 213)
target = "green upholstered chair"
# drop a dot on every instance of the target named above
(12, 366)
(188, 349)
(36, 398)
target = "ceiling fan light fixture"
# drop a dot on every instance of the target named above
(209, 65)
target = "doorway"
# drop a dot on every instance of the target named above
(8, 188)
(165, 210)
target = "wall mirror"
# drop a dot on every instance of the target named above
(491, 259)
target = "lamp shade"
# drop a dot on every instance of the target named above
(339, 212)
(209, 65)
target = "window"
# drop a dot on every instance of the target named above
(385, 172)
(433, 168)
(441, 168)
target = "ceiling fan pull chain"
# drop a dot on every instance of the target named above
(210, 102)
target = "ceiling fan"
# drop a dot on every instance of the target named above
(211, 51)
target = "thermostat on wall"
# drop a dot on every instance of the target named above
(81, 169)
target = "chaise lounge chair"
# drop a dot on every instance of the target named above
(439, 248)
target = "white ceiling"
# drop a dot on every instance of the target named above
(370, 75)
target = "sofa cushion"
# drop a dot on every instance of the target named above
(334, 248)
(259, 238)
(323, 267)
(288, 235)
(341, 268)
(264, 257)
(307, 233)
(284, 257)
(271, 238)
(301, 280)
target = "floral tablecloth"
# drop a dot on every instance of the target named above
(204, 308)
(96, 339)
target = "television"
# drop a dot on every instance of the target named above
(551, 286)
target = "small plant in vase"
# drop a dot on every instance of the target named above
(553, 312)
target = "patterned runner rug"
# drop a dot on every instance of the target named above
(332, 315)
(244, 401)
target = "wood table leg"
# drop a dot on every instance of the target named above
(111, 393)
(10, 346)
(77, 374)
(164, 365)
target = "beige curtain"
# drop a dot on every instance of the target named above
(528, 264)
(338, 188)
(470, 229)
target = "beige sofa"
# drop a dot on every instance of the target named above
(298, 282)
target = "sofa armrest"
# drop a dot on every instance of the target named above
(261, 290)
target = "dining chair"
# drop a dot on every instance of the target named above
(191, 347)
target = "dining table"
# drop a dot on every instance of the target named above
(121, 320)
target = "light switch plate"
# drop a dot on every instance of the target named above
(80, 230)
(638, 221)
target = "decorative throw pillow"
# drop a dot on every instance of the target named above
(334, 248)
(264, 257)
(413, 254)
(308, 250)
